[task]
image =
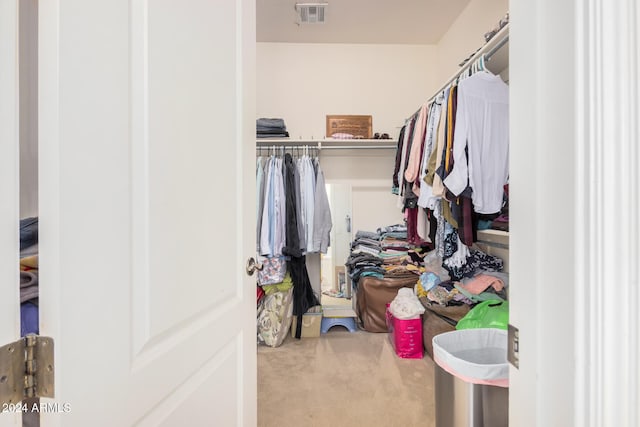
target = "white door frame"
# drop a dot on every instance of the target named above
(9, 183)
(574, 202)
(9, 173)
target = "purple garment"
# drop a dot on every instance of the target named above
(29, 319)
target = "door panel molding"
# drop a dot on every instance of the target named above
(608, 183)
(144, 336)
(198, 393)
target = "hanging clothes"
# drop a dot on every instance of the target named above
(272, 231)
(309, 198)
(295, 220)
(429, 157)
(463, 164)
(292, 240)
(302, 236)
(413, 163)
(303, 296)
(482, 135)
(277, 178)
(395, 189)
(448, 159)
(267, 211)
(260, 183)
(437, 185)
(406, 146)
(322, 223)
(420, 186)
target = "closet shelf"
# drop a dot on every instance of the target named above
(494, 236)
(321, 144)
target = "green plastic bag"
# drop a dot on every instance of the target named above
(487, 314)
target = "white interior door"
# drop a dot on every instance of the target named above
(9, 190)
(146, 192)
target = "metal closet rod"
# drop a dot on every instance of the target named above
(356, 147)
(502, 36)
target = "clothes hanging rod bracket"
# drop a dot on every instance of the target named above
(496, 48)
(502, 36)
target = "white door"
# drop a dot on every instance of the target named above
(9, 190)
(147, 130)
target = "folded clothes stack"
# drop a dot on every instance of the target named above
(29, 260)
(271, 128)
(383, 253)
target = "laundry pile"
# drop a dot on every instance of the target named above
(29, 277)
(271, 128)
(481, 280)
(275, 310)
(384, 253)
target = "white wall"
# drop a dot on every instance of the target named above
(302, 83)
(466, 34)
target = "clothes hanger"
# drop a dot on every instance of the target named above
(484, 67)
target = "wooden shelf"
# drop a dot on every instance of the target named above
(329, 143)
(494, 236)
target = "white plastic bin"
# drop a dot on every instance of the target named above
(471, 378)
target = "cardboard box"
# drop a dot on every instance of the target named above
(311, 322)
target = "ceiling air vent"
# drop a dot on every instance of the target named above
(311, 13)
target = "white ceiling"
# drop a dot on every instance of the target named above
(359, 21)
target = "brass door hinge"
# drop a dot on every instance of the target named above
(26, 369)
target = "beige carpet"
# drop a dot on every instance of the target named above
(343, 379)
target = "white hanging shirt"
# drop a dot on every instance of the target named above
(266, 229)
(280, 209)
(482, 126)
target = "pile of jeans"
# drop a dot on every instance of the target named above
(271, 128)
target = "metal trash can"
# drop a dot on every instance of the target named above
(471, 378)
